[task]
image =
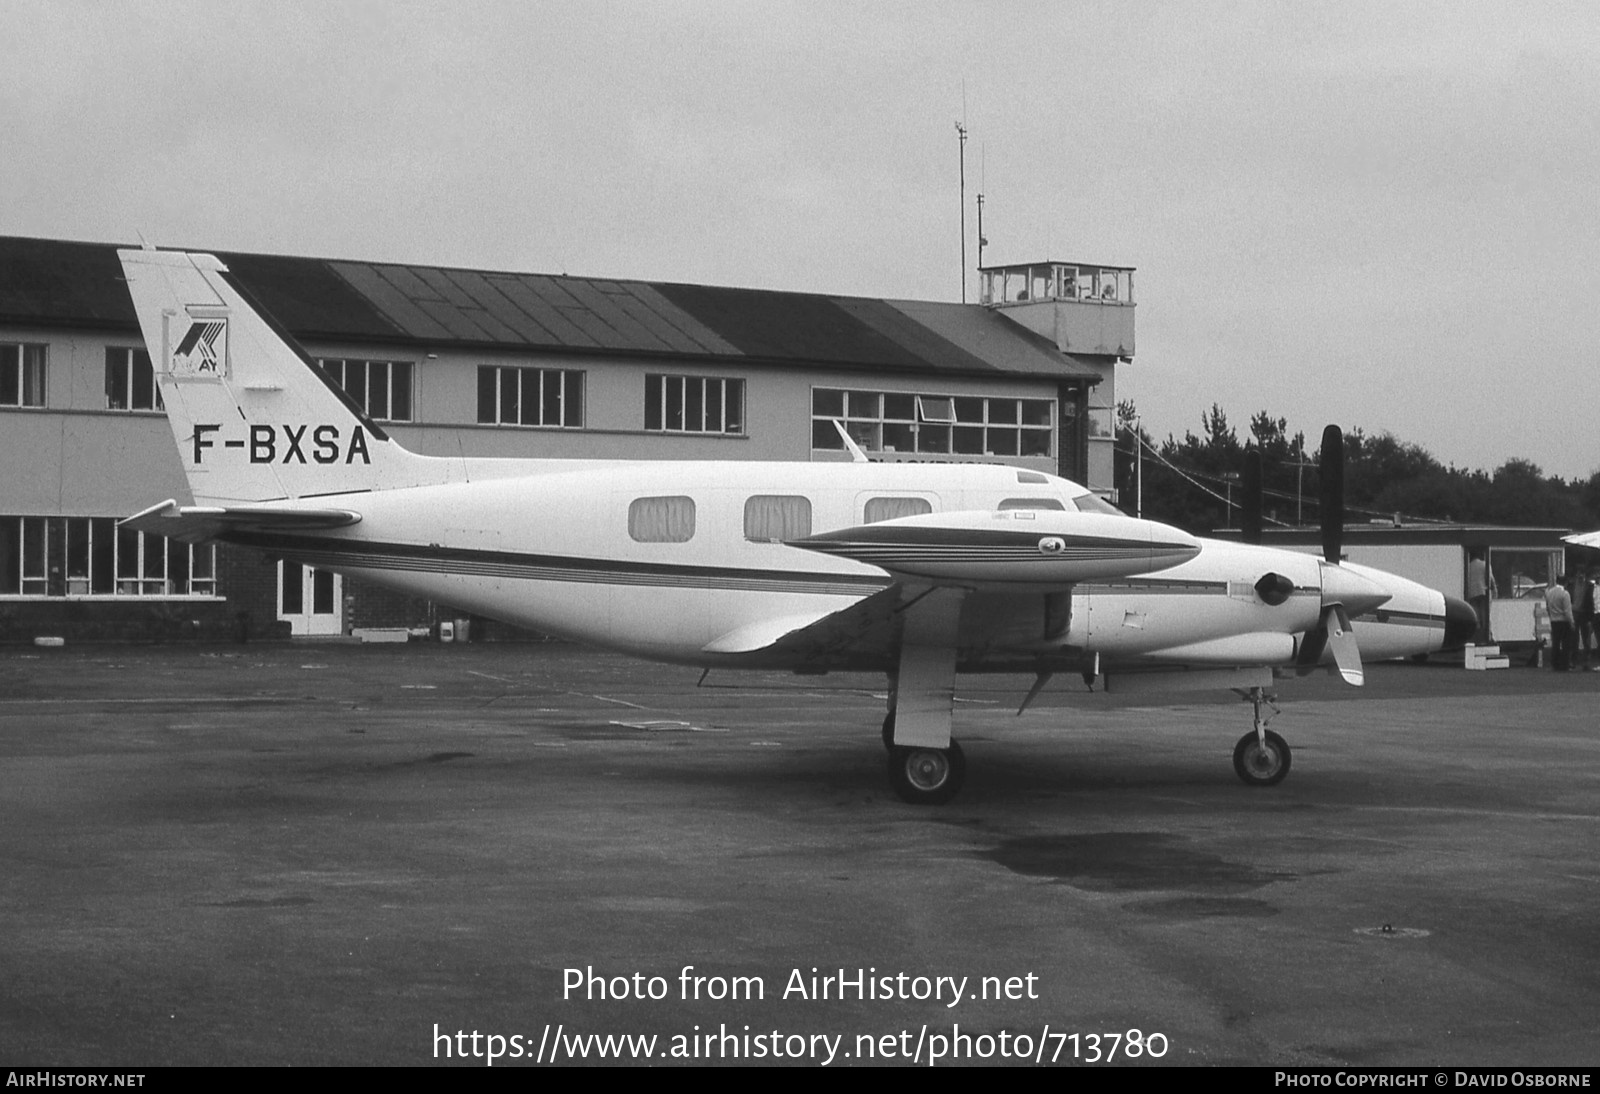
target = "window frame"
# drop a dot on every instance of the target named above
(680, 396)
(127, 364)
(571, 396)
(15, 361)
(339, 370)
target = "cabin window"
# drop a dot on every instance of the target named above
(1032, 503)
(774, 518)
(130, 381)
(382, 389)
(530, 396)
(21, 375)
(891, 508)
(693, 404)
(661, 520)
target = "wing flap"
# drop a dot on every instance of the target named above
(198, 523)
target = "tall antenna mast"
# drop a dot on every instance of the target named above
(981, 240)
(983, 184)
(961, 135)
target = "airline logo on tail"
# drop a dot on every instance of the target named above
(203, 352)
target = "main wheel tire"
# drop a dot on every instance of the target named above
(927, 776)
(1259, 766)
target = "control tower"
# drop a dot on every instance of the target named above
(1086, 309)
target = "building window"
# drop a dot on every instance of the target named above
(963, 425)
(24, 548)
(91, 556)
(530, 396)
(661, 520)
(21, 375)
(775, 518)
(130, 381)
(693, 404)
(381, 388)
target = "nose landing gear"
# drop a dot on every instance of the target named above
(1261, 758)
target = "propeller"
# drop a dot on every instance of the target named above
(1343, 591)
(1332, 473)
(1250, 504)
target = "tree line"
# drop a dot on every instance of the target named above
(1196, 482)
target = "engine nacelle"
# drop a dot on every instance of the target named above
(1014, 547)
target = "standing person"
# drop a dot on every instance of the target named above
(1478, 592)
(1584, 617)
(1558, 602)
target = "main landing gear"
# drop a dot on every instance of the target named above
(1261, 758)
(921, 775)
(927, 776)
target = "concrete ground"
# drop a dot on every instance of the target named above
(319, 854)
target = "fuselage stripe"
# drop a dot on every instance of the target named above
(334, 553)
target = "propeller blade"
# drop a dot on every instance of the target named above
(1342, 640)
(1332, 474)
(1250, 506)
(1309, 655)
(1333, 634)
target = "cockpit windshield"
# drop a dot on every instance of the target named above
(1094, 503)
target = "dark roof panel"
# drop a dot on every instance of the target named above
(648, 314)
(521, 292)
(444, 287)
(454, 320)
(45, 281)
(629, 334)
(522, 327)
(388, 299)
(991, 337)
(309, 297)
(777, 325)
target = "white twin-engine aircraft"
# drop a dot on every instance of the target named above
(916, 571)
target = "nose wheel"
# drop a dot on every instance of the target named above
(1261, 758)
(927, 776)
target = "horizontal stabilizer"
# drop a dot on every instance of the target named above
(198, 523)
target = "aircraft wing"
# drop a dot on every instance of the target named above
(1583, 539)
(198, 523)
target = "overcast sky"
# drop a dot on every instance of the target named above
(1380, 214)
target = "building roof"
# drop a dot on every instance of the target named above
(61, 283)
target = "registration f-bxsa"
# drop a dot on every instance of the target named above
(916, 571)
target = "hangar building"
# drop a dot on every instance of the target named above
(487, 363)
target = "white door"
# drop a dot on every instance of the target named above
(311, 600)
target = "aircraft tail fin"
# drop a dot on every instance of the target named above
(254, 417)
